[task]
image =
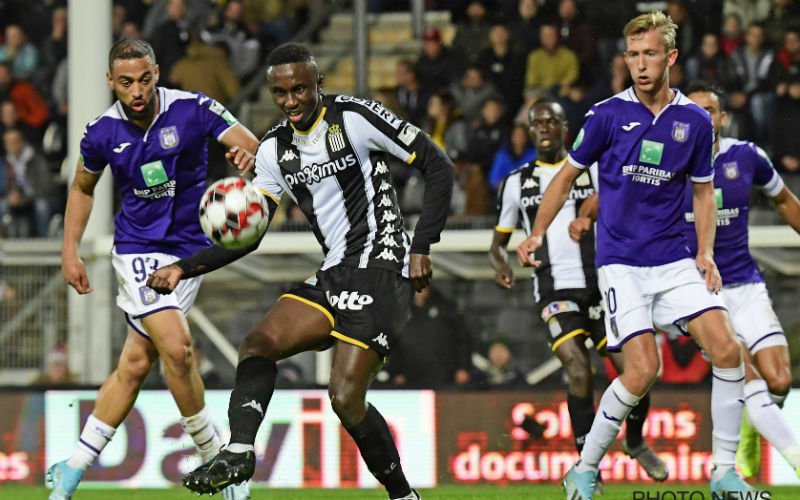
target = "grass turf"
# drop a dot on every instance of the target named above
(537, 492)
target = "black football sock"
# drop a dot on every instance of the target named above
(376, 444)
(581, 414)
(635, 422)
(255, 383)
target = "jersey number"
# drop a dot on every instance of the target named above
(611, 300)
(141, 265)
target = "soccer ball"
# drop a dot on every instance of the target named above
(233, 213)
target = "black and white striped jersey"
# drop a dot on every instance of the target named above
(565, 263)
(337, 174)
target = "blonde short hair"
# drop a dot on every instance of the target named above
(653, 21)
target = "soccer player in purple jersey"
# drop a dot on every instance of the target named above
(154, 140)
(648, 142)
(738, 166)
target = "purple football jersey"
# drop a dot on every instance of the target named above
(644, 162)
(160, 172)
(739, 166)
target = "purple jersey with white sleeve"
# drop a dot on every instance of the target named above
(643, 164)
(738, 166)
(160, 172)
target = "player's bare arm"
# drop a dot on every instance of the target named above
(498, 256)
(587, 214)
(705, 223)
(79, 207)
(165, 279)
(787, 205)
(242, 146)
(554, 198)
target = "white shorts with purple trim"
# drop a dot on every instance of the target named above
(637, 298)
(138, 300)
(754, 320)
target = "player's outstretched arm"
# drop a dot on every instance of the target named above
(438, 171)
(165, 279)
(242, 146)
(79, 206)
(705, 225)
(554, 198)
(788, 207)
(498, 256)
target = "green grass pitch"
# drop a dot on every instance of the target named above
(533, 492)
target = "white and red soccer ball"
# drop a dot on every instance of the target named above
(233, 213)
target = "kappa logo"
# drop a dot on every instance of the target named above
(388, 230)
(388, 217)
(385, 201)
(288, 155)
(529, 183)
(254, 405)
(388, 241)
(385, 186)
(349, 301)
(387, 254)
(383, 341)
(630, 126)
(381, 168)
(119, 149)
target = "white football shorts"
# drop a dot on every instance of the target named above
(754, 320)
(637, 298)
(138, 300)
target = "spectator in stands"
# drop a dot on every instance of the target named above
(232, 30)
(7, 294)
(786, 123)
(525, 28)
(500, 372)
(31, 107)
(787, 61)
(171, 38)
(28, 183)
(205, 68)
(486, 138)
(444, 124)
(408, 92)
(783, 15)
(472, 34)
(688, 36)
(517, 152)
(53, 48)
(576, 34)
(504, 66)
(56, 371)
(436, 67)
(9, 118)
(751, 93)
(160, 11)
(551, 67)
(434, 352)
(471, 93)
(710, 64)
(748, 11)
(732, 37)
(21, 54)
(119, 15)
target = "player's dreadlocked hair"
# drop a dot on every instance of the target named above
(710, 87)
(130, 48)
(291, 52)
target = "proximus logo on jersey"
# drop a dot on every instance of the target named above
(349, 301)
(575, 194)
(316, 172)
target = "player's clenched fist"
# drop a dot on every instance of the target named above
(165, 279)
(241, 159)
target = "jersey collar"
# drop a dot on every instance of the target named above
(312, 127)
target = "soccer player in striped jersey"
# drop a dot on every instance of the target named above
(738, 166)
(649, 141)
(565, 284)
(329, 157)
(154, 142)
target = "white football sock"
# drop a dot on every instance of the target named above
(615, 405)
(727, 404)
(202, 431)
(778, 399)
(94, 437)
(770, 422)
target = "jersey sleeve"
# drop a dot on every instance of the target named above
(216, 119)
(93, 154)
(592, 140)
(381, 128)
(764, 173)
(508, 203)
(267, 170)
(701, 168)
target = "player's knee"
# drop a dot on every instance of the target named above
(260, 342)
(726, 354)
(579, 375)
(347, 402)
(640, 374)
(778, 381)
(133, 369)
(178, 358)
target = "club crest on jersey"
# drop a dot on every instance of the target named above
(148, 295)
(408, 134)
(335, 138)
(731, 170)
(680, 131)
(168, 137)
